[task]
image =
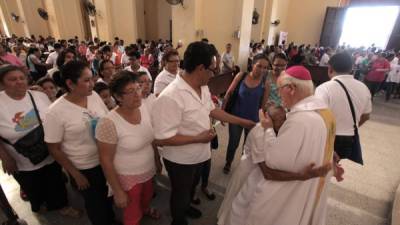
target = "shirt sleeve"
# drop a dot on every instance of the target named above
(50, 60)
(166, 117)
(159, 86)
(106, 131)
(259, 136)
(53, 128)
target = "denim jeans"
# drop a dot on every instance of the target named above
(235, 133)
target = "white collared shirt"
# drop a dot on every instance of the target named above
(141, 69)
(334, 96)
(179, 110)
(163, 79)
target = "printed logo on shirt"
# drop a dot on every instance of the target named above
(25, 122)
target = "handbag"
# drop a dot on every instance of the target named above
(349, 147)
(232, 99)
(32, 145)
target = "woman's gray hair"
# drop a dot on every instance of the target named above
(305, 87)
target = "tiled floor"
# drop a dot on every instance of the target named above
(364, 198)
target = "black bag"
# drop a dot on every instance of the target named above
(32, 145)
(349, 147)
(214, 143)
(232, 99)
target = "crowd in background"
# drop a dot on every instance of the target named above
(62, 73)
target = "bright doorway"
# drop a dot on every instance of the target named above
(364, 26)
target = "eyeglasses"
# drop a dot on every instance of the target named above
(137, 91)
(279, 65)
(285, 85)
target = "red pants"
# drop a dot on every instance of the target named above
(140, 197)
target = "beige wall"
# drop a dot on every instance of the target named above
(302, 20)
(124, 20)
(70, 20)
(220, 21)
(279, 11)
(140, 20)
(35, 24)
(7, 8)
(307, 29)
(183, 23)
(164, 16)
(257, 29)
(104, 19)
(151, 19)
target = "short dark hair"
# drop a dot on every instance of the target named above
(197, 53)
(119, 82)
(5, 69)
(57, 46)
(61, 57)
(258, 57)
(135, 54)
(101, 66)
(105, 48)
(169, 53)
(341, 62)
(280, 56)
(44, 80)
(71, 71)
(100, 86)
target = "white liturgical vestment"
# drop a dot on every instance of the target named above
(301, 141)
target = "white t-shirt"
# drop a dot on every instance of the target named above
(179, 110)
(141, 69)
(324, 60)
(52, 58)
(124, 59)
(394, 74)
(163, 79)
(149, 102)
(17, 119)
(228, 59)
(73, 127)
(134, 152)
(334, 96)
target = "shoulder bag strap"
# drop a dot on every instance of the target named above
(35, 107)
(37, 115)
(353, 113)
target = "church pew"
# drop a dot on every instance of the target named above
(219, 84)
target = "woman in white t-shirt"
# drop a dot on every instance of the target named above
(41, 178)
(127, 155)
(145, 83)
(69, 132)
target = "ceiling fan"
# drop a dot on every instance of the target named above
(175, 2)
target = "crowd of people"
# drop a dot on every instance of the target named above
(109, 117)
(377, 68)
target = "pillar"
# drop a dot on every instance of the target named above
(246, 9)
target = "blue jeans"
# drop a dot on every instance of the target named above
(235, 133)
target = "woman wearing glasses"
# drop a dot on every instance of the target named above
(69, 132)
(127, 155)
(279, 64)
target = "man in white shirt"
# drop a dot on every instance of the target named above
(228, 60)
(325, 57)
(52, 58)
(331, 92)
(168, 74)
(134, 58)
(181, 123)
